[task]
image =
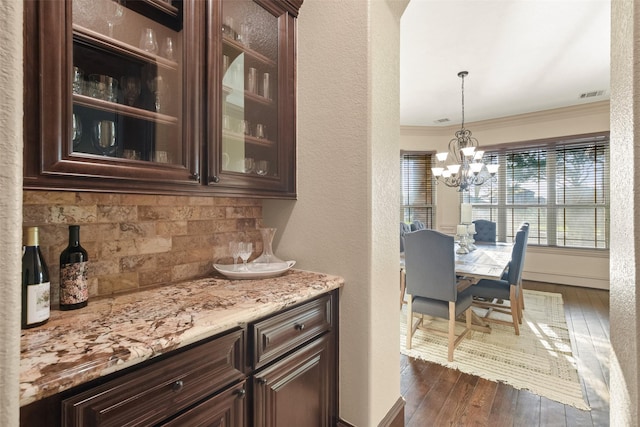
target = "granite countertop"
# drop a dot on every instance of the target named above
(113, 333)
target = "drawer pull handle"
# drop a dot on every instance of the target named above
(299, 326)
(240, 393)
(177, 386)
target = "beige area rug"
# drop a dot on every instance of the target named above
(539, 360)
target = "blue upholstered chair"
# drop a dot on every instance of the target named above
(485, 231)
(417, 225)
(404, 229)
(510, 289)
(431, 284)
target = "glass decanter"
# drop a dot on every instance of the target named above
(267, 256)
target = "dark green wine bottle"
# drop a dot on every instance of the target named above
(74, 291)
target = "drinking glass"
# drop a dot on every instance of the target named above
(78, 80)
(76, 126)
(114, 13)
(261, 131)
(104, 136)
(252, 82)
(246, 248)
(262, 167)
(234, 250)
(249, 165)
(266, 89)
(167, 48)
(160, 89)
(148, 41)
(130, 88)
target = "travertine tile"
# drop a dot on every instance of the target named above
(144, 239)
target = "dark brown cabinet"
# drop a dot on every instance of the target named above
(158, 392)
(284, 374)
(161, 96)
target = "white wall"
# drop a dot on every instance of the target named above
(345, 219)
(580, 268)
(11, 203)
(625, 209)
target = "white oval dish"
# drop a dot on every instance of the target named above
(254, 270)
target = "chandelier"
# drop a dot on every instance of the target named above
(462, 166)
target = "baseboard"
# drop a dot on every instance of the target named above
(394, 418)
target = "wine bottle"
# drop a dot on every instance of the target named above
(74, 292)
(36, 288)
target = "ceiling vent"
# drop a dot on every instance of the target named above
(445, 120)
(592, 94)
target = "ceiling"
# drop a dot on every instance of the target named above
(522, 56)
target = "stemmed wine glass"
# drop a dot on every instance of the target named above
(130, 88)
(160, 90)
(234, 249)
(245, 252)
(114, 12)
(77, 129)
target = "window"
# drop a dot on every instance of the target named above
(416, 188)
(560, 187)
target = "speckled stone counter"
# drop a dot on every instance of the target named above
(113, 333)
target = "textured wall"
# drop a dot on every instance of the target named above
(345, 219)
(134, 241)
(10, 201)
(625, 204)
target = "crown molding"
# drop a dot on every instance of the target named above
(600, 107)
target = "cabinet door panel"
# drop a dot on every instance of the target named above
(224, 410)
(298, 390)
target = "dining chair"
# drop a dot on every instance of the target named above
(417, 225)
(511, 289)
(432, 285)
(485, 231)
(404, 229)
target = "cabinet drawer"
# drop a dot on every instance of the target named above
(283, 332)
(162, 389)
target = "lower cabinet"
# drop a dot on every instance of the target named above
(298, 390)
(284, 374)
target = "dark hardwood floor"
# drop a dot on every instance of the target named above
(437, 396)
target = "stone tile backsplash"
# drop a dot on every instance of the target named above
(135, 241)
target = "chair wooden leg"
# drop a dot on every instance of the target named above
(452, 329)
(521, 300)
(403, 287)
(514, 308)
(409, 323)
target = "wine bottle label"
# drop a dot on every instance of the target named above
(38, 301)
(73, 283)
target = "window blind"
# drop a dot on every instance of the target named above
(416, 188)
(560, 187)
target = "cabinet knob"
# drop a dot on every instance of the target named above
(195, 176)
(299, 326)
(240, 393)
(262, 381)
(177, 386)
(215, 179)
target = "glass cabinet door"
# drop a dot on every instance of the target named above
(119, 102)
(126, 83)
(256, 76)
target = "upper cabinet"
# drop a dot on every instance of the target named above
(253, 124)
(158, 96)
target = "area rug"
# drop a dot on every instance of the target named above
(539, 359)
